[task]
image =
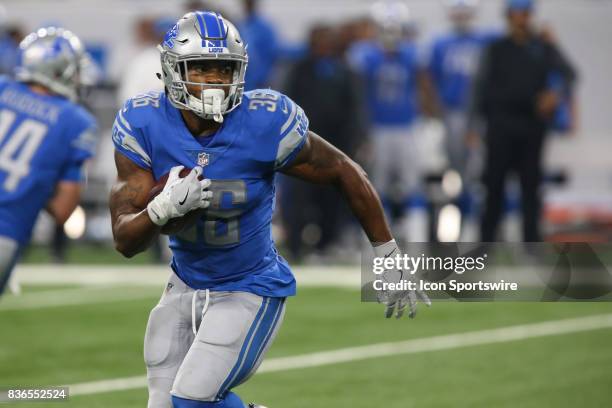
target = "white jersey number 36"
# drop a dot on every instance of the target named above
(16, 152)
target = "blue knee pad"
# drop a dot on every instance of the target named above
(231, 400)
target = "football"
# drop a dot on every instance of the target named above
(175, 225)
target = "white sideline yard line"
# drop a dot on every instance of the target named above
(157, 275)
(77, 296)
(105, 284)
(414, 346)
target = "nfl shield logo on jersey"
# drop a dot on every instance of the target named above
(203, 159)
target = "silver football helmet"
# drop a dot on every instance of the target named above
(55, 58)
(203, 35)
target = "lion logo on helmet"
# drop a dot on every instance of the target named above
(171, 36)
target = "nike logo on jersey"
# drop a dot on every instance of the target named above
(184, 199)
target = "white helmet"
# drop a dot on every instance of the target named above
(394, 21)
(54, 58)
(203, 35)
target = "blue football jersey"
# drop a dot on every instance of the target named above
(44, 139)
(453, 63)
(390, 79)
(230, 247)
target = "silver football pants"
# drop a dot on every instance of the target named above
(199, 344)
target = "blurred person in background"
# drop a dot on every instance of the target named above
(45, 138)
(564, 121)
(397, 94)
(16, 33)
(453, 62)
(260, 36)
(10, 36)
(140, 75)
(514, 98)
(355, 30)
(324, 85)
(196, 5)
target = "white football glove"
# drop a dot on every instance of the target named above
(180, 196)
(397, 300)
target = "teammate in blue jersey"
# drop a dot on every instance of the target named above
(397, 95)
(453, 63)
(225, 298)
(45, 138)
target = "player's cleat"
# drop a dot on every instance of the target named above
(251, 405)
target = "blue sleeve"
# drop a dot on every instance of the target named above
(282, 127)
(72, 172)
(129, 139)
(83, 142)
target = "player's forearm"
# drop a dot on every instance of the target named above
(60, 212)
(320, 162)
(133, 230)
(134, 233)
(64, 201)
(364, 201)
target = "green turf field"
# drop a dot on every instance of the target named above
(102, 340)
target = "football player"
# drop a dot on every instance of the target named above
(452, 66)
(45, 138)
(225, 298)
(453, 61)
(397, 94)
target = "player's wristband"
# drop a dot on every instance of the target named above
(156, 213)
(386, 250)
